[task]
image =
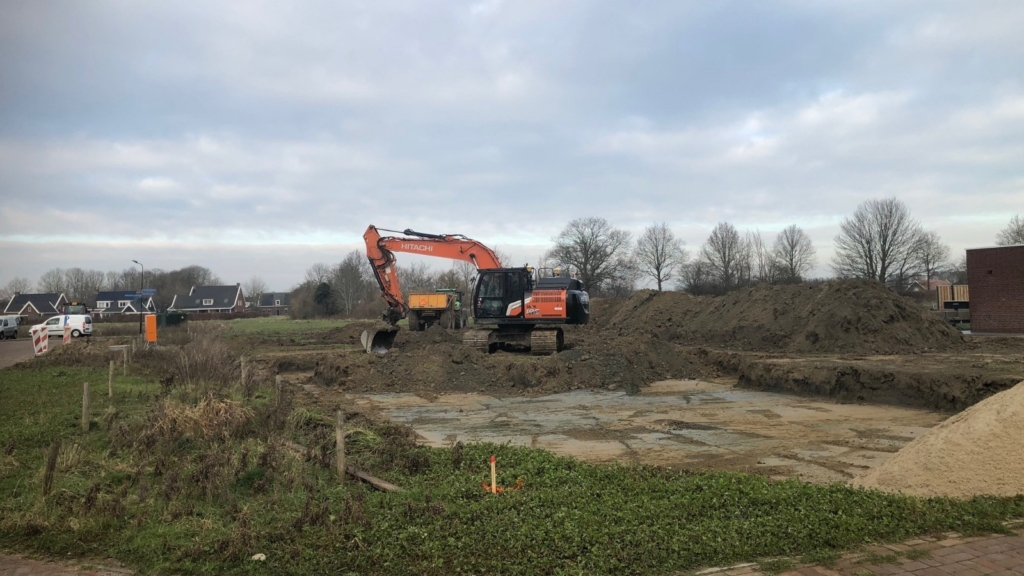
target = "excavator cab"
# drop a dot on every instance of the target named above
(501, 293)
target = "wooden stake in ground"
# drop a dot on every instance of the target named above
(277, 390)
(51, 465)
(494, 476)
(124, 361)
(85, 407)
(110, 381)
(339, 439)
(242, 381)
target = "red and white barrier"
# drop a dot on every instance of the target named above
(40, 340)
(67, 331)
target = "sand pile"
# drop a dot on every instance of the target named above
(843, 316)
(978, 451)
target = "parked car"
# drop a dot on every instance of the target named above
(8, 327)
(81, 325)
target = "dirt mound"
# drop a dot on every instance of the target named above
(974, 452)
(842, 316)
(946, 382)
(436, 361)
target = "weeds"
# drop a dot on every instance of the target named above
(826, 558)
(201, 487)
(776, 565)
(209, 419)
(206, 362)
(918, 553)
(69, 457)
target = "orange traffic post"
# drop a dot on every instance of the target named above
(151, 328)
(494, 476)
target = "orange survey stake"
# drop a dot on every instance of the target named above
(494, 477)
(150, 327)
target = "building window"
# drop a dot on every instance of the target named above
(277, 302)
(122, 303)
(104, 304)
(208, 302)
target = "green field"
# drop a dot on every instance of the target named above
(164, 493)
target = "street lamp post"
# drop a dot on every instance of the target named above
(142, 284)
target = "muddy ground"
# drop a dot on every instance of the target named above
(852, 342)
(676, 424)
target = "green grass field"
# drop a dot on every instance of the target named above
(280, 325)
(164, 493)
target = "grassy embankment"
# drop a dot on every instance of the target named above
(194, 475)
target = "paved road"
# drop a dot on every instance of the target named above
(14, 351)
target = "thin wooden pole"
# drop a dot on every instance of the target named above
(124, 361)
(339, 438)
(110, 381)
(242, 382)
(85, 407)
(51, 466)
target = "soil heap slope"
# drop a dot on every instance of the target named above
(840, 316)
(436, 361)
(975, 452)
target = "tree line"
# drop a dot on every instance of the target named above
(82, 285)
(880, 241)
(611, 263)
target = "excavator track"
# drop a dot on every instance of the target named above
(544, 341)
(477, 339)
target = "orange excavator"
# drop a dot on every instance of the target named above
(513, 308)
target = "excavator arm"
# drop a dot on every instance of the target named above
(380, 250)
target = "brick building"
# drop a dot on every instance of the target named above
(996, 278)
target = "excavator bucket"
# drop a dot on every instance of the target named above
(379, 339)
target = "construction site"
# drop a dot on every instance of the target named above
(820, 382)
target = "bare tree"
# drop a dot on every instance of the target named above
(623, 283)
(659, 254)
(956, 272)
(319, 273)
(504, 257)
(465, 273)
(417, 277)
(727, 256)
(932, 254)
(351, 279)
(127, 279)
(52, 281)
(695, 277)
(763, 264)
(592, 248)
(14, 287)
(253, 288)
(1013, 233)
(794, 253)
(879, 242)
(83, 284)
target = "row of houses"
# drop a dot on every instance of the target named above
(200, 299)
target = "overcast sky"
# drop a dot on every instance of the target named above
(260, 137)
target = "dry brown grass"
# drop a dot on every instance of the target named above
(206, 360)
(210, 419)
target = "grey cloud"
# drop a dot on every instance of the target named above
(275, 124)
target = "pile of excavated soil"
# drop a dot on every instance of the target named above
(945, 382)
(437, 361)
(841, 316)
(975, 452)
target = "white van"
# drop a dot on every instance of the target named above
(8, 327)
(81, 325)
